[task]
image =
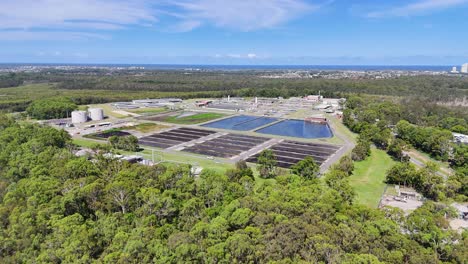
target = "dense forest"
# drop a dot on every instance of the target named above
(127, 85)
(51, 108)
(59, 208)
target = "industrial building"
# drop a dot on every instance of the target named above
(124, 105)
(464, 68)
(157, 102)
(79, 117)
(203, 103)
(135, 104)
(96, 114)
(314, 98)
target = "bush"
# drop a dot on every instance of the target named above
(361, 151)
(306, 168)
(128, 143)
(266, 164)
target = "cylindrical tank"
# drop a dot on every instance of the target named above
(79, 117)
(96, 114)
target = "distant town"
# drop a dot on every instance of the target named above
(332, 74)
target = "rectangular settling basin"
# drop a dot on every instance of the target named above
(298, 128)
(241, 122)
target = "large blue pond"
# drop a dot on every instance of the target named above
(298, 128)
(241, 123)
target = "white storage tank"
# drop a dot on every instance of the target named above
(96, 114)
(79, 117)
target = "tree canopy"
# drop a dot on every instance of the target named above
(306, 168)
(266, 164)
(59, 208)
(51, 108)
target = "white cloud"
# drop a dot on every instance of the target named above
(417, 8)
(69, 20)
(91, 14)
(16, 35)
(114, 14)
(246, 15)
(251, 56)
(40, 19)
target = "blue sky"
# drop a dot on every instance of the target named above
(397, 32)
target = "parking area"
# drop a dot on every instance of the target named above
(174, 137)
(288, 153)
(226, 146)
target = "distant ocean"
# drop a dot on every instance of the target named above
(250, 67)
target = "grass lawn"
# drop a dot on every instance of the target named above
(148, 110)
(193, 119)
(146, 127)
(87, 143)
(302, 113)
(339, 127)
(108, 110)
(369, 176)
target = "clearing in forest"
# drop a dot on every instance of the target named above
(368, 179)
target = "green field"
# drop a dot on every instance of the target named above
(216, 164)
(193, 119)
(108, 110)
(369, 176)
(148, 110)
(341, 128)
(147, 127)
(87, 143)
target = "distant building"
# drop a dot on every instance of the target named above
(203, 103)
(156, 101)
(454, 70)
(318, 120)
(464, 68)
(314, 98)
(323, 107)
(408, 193)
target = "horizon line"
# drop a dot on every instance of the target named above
(220, 64)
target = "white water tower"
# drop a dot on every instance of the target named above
(79, 117)
(96, 114)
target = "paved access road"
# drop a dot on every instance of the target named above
(345, 149)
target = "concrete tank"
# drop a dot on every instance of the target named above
(96, 114)
(79, 117)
